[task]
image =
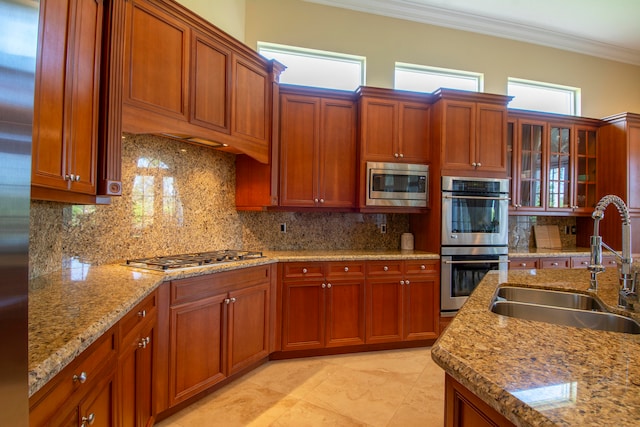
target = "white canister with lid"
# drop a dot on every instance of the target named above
(406, 242)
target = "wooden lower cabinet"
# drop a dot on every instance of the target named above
(323, 305)
(527, 263)
(402, 301)
(218, 324)
(462, 408)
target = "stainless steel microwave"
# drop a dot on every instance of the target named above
(397, 184)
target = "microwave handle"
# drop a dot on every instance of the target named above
(446, 196)
(479, 261)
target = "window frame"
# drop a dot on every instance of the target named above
(439, 71)
(575, 92)
(318, 54)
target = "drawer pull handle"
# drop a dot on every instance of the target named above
(142, 313)
(82, 378)
(87, 421)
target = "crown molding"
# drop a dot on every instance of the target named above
(420, 12)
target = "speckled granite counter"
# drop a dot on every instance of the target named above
(540, 374)
(70, 309)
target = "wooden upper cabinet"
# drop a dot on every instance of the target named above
(394, 126)
(189, 80)
(67, 99)
(472, 133)
(211, 88)
(317, 149)
(157, 55)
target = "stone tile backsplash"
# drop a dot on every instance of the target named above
(521, 230)
(180, 198)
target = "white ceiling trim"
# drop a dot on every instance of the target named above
(419, 12)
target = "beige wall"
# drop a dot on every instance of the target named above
(608, 87)
(228, 15)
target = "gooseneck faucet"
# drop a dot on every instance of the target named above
(627, 285)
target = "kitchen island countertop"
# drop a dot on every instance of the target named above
(71, 308)
(540, 374)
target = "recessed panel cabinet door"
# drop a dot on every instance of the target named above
(303, 317)
(384, 311)
(458, 151)
(251, 101)
(345, 313)
(379, 129)
(491, 138)
(414, 132)
(421, 305)
(156, 54)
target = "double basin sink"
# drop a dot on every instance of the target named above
(560, 308)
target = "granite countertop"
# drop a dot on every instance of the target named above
(540, 374)
(71, 308)
(541, 252)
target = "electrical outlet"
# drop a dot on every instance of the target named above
(283, 227)
(573, 229)
(383, 228)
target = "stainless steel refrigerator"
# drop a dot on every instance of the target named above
(18, 45)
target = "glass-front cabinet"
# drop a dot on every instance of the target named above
(552, 163)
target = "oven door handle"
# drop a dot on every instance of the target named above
(477, 261)
(447, 196)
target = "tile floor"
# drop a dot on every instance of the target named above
(383, 388)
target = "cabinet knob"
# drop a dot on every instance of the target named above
(329, 285)
(346, 269)
(304, 271)
(87, 421)
(406, 282)
(142, 313)
(77, 178)
(423, 267)
(321, 200)
(474, 164)
(523, 264)
(144, 342)
(233, 300)
(82, 378)
(385, 268)
(68, 177)
(315, 200)
(478, 164)
(401, 155)
(584, 263)
(227, 300)
(324, 285)
(554, 263)
(401, 282)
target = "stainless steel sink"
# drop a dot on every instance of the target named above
(549, 297)
(560, 308)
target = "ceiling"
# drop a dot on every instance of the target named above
(604, 28)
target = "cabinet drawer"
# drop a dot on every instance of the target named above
(523, 263)
(79, 377)
(609, 261)
(345, 269)
(422, 267)
(554, 263)
(138, 314)
(384, 268)
(302, 270)
(581, 261)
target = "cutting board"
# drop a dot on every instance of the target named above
(547, 236)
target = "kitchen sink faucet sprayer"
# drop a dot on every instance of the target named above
(627, 285)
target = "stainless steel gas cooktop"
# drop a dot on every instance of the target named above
(193, 259)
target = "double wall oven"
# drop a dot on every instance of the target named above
(474, 235)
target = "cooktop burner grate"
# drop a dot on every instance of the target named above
(193, 259)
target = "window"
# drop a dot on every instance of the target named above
(547, 97)
(309, 67)
(421, 78)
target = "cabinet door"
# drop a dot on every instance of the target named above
(156, 59)
(559, 171)
(303, 316)
(458, 140)
(337, 154)
(67, 96)
(345, 312)
(251, 100)
(413, 132)
(421, 307)
(379, 129)
(384, 311)
(97, 409)
(633, 136)
(490, 153)
(211, 83)
(197, 346)
(585, 175)
(529, 171)
(299, 147)
(248, 326)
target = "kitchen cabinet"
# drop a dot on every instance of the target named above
(76, 127)
(553, 165)
(402, 301)
(527, 263)
(462, 408)
(218, 325)
(470, 130)
(188, 80)
(322, 305)
(136, 364)
(84, 392)
(394, 126)
(317, 149)
(618, 151)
